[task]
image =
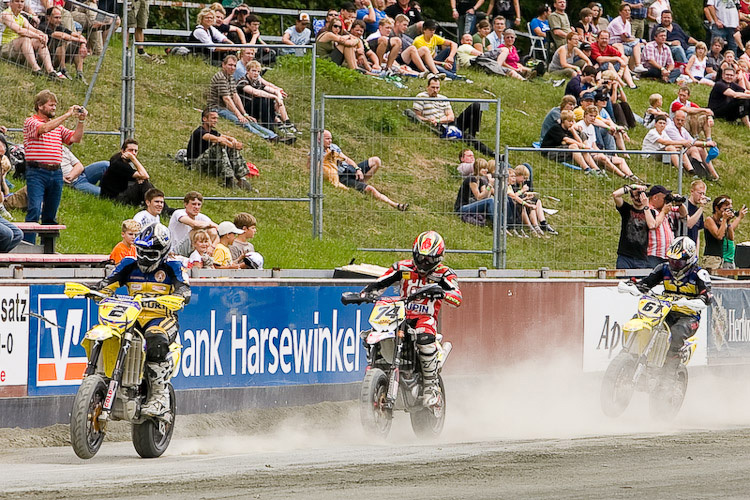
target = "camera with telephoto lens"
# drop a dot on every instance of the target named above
(675, 198)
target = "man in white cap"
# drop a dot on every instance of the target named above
(299, 34)
(222, 256)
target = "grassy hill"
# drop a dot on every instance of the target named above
(418, 167)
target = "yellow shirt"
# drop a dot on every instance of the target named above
(8, 34)
(433, 44)
(222, 256)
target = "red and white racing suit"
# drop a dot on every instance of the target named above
(422, 314)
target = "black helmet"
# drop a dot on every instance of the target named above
(152, 246)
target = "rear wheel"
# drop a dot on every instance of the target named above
(617, 385)
(151, 438)
(376, 418)
(86, 433)
(428, 422)
(666, 399)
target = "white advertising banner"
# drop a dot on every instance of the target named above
(605, 310)
(14, 335)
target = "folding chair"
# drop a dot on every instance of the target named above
(537, 45)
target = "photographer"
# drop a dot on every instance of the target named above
(719, 230)
(696, 202)
(636, 221)
(667, 209)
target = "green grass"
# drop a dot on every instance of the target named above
(418, 167)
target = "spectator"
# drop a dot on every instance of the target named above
(210, 152)
(658, 58)
(715, 58)
(367, 60)
(138, 18)
(730, 61)
(43, 137)
(235, 34)
(696, 203)
(582, 83)
(609, 134)
(569, 60)
(242, 250)
(699, 120)
(345, 173)
(125, 248)
(371, 13)
(559, 24)
(540, 24)
(126, 180)
(408, 9)
(510, 10)
(80, 178)
(264, 101)
(600, 20)
(222, 256)
(728, 100)
(390, 49)
(206, 33)
(605, 55)
(184, 220)
(10, 235)
(265, 55)
(154, 199)
(5, 167)
(655, 102)
(495, 38)
(246, 55)
(237, 17)
(347, 15)
(532, 204)
(319, 24)
(655, 10)
(621, 36)
(466, 53)
(696, 67)
(93, 24)
(510, 59)
(440, 114)
(696, 150)
(299, 34)
(657, 140)
(64, 44)
(429, 40)
(680, 43)
(480, 39)
(475, 200)
(719, 230)
(20, 38)
(553, 115)
(635, 222)
(201, 257)
(334, 44)
(563, 135)
(467, 160)
(585, 27)
(223, 97)
(587, 131)
(638, 13)
(661, 233)
(726, 20)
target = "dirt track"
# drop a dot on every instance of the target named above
(503, 439)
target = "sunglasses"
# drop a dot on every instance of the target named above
(337, 26)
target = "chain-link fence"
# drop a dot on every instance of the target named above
(579, 206)
(406, 187)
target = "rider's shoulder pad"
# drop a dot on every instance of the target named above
(704, 276)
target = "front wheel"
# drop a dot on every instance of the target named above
(617, 385)
(86, 433)
(376, 417)
(427, 423)
(151, 438)
(666, 399)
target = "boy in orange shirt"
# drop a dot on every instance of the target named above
(125, 248)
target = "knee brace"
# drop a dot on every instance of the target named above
(157, 344)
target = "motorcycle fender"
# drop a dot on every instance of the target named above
(101, 332)
(632, 326)
(690, 345)
(175, 350)
(388, 349)
(376, 336)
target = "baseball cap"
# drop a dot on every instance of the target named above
(587, 95)
(654, 190)
(601, 96)
(585, 46)
(227, 227)
(303, 16)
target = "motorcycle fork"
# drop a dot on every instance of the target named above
(643, 358)
(114, 383)
(96, 350)
(393, 378)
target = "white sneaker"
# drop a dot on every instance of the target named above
(5, 214)
(640, 69)
(431, 395)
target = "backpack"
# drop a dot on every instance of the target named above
(489, 65)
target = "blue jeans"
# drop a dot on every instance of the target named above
(681, 55)
(484, 207)
(604, 139)
(10, 236)
(44, 189)
(90, 177)
(249, 125)
(441, 57)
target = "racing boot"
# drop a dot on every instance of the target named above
(158, 399)
(428, 359)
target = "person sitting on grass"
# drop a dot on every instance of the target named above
(615, 164)
(20, 39)
(125, 248)
(201, 257)
(222, 256)
(428, 42)
(264, 101)
(82, 178)
(532, 204)
(563, 136)
(241, 249)
(657, 140)
(126, 179)
(336, 45)
(654, 110)
(64, 45)
(568, 103)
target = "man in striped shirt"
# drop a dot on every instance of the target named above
(660, 232)
(43, 137)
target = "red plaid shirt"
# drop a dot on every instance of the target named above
(662, 57)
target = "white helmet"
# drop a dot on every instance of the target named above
(681, 257)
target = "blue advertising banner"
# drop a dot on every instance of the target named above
(729, 320)
(231, 337)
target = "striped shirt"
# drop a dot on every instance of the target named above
(432, 109)
(660, 239)
(46, 148)
(661, 56)
(221, 85)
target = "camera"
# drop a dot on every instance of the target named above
(675, 198)
(78, 109)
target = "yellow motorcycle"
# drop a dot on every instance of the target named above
(114, 386)
(640, 366)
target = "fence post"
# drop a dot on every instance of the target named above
(679, 171)
(319, 166)
(498, 234)
(124, 104)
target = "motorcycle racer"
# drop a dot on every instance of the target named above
(424, 268)
(680, 275)
(151, 273)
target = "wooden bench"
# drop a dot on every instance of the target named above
(48, 233)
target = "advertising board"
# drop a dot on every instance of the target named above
(14, 337)
(729, 317)
(231, 337)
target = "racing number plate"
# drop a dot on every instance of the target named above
(386, 313)
(650, 308)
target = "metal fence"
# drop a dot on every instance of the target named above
(402, 149)
(579, 206)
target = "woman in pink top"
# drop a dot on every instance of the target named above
(509, 55)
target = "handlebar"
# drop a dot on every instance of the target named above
(433, 291)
